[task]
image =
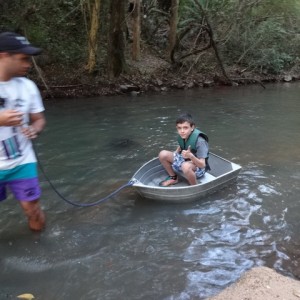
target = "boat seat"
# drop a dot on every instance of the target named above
(207, 177)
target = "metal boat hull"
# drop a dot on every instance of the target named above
(146, 181)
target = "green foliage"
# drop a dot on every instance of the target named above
(264, 40)
(56, 26)
(273, 61)
(259, 35)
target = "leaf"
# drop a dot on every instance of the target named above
(26, 296)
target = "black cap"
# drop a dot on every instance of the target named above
(14, 43)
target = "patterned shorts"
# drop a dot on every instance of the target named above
(178, 160)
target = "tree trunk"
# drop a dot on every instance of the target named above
(213, 43)
(116, 43)
(94, 14)
(173, 27)
(136, 30)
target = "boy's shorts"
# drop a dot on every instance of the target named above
(178, 160)
(22, 181)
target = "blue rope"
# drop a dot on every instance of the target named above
(129, 183)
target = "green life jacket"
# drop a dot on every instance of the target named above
(192, 142)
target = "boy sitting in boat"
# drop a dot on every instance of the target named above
(190, 157)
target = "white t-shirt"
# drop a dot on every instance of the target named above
(23, 95)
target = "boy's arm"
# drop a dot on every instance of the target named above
(36, 125)
(199, 162)
(37, 122)
(10, 117)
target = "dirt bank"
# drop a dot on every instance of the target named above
(261, 283)
(150, 74)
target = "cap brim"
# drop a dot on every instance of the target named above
(29, 50)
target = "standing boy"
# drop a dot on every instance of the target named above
(21, 119)
(191, 156)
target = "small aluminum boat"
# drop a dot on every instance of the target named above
(146, 181)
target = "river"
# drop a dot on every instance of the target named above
(132, 248)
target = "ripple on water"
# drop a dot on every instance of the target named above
(268, 190)
(297, 174)
(235, 234)
(199, 211)
(201, 282)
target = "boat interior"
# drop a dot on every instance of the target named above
(152, 173)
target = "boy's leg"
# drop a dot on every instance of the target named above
(188, 169)
(34, 213)
(166, 159)
(28, 192)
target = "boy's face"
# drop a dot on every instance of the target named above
(184, 129)
(16, 64)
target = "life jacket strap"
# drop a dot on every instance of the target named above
(207, 166)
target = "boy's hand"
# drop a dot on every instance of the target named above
(178, 150)
(187, 154)
(29, 132)
(11, 117)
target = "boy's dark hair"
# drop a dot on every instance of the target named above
(186, 117)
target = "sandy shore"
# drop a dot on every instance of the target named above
(261, 283)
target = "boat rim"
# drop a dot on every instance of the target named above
(137, 183)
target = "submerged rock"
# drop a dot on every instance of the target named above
(122, 143)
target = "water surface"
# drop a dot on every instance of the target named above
(131, 248)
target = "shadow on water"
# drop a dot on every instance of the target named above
(132, 248)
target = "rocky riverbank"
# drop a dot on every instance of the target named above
(261, 283)
(150, 74)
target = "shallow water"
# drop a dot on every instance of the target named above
(131, 248)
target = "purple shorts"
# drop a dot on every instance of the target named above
(22, 189)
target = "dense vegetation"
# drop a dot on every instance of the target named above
(103, 38)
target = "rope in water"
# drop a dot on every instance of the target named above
(129, 183)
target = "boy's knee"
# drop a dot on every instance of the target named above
(187, 169)
(164, 154)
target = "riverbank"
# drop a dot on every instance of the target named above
(148, 75)
(261, 283)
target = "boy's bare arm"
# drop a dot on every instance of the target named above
(37, 124)
(10, 117)
(199, 162)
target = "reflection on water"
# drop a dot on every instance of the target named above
(130, 248)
